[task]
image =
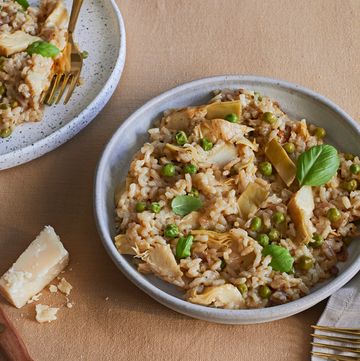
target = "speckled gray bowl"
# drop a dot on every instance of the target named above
(112, 169)
(100, 31)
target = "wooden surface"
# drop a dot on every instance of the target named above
(313, 43)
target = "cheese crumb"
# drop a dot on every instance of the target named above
(53, 288)
(69, 305)
(45, 313)
(106, 298)
(64, 286)
(34, 298)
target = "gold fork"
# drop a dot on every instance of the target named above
(354, 341)
(71, 75)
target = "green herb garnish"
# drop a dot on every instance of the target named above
(44, 49)
(23, 3)
(183, 205)
(183, 247)
(281, 259)
(317, 165)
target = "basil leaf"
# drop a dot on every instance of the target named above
(183, 246)
(183, 205)
(281, 259)
(43, 48)
(317, 165)
(23, 3)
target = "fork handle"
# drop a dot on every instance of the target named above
(75, 10)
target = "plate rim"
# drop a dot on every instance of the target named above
(246, 316)
(62, 135)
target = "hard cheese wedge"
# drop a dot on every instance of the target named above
(40, 263)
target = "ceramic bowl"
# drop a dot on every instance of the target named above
(100, 76)
(297, 101)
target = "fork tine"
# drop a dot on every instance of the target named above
(57, 79)
(47, 91)
(335, 338)
(336, 347)
(347, 331)
(62, 88)
(329, 356)
(72, 86)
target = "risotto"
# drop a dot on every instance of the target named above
(237, 204)
(32, 41)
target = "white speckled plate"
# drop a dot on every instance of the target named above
(299, 103)
(100, 31)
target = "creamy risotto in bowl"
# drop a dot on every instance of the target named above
(238, 204)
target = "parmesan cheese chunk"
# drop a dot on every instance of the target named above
(39, 264)
(64, 287)
(45, 313)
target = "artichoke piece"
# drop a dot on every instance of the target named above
(251, 199)
(281, 161)
(300, 208)
(226, 296)
(162, 263)
(222, 154)
(15, 42)
(222, 109)
(183, 118)
(123, 245)
(214, 239)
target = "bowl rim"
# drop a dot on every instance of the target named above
(177, 304)
(79, 122)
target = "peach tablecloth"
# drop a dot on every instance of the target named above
(313, 43)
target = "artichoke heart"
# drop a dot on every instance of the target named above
(251, 199)
(226, 296)
(281, 161)
(183, 119)
(15, 42)
(123, 245)
(222, 109)
(300, 208)
(222, 154)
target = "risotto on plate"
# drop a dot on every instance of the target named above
(238, 204)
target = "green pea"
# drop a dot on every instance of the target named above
(4, 106)
(155, 207)
(14, 104)
(258, 95)
(264, 291)
(171, 231)
(274, 235)
(223, 263)
(289, 148)
(2, 89)
(140, 207)
(265, 168)
(320, 133)
(333, 215)
(194, 192)
(243, 289)
(278, 217)
(181, 138)
(355, 168)
(168, 170)
(190, 169)
(350, 185)
(263, 239)
(206, 144)
(85, 54)
(347, 241)
(349, 156)
(4, 133)
(269, 117)
(256, 224)
(318, 240)
(305, 263)
(232, 118)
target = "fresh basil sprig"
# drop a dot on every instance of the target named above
(43, 48)
(23, 3)
(183, 205)
(183, 246)
(317, 165)
(281, 259)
